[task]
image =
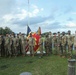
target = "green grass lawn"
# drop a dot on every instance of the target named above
(48, 65)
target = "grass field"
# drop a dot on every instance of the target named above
(48, 65)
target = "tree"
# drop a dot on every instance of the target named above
(5, 31)
(1, 30)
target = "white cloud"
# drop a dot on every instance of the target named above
(8, 17)
(34, 6)
(21, 14)
(71, 24)
(42, 9)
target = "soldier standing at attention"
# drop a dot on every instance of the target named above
(11, 43)
(70, 41)
(23, 43)
(59, 43)
(7, 46)
(75, 43)
(31, 42)
(2, 46)
(47, 45)
(17, 41)
(20, 48)
(41, 46)
(63, 43)
(55, 43)
(50, 42)
(15, 46)
(0, 43)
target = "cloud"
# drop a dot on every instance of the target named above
(21, 18)
(6, 6)
(55, 25)
(32, 20)
(22, 14)
(71, 24)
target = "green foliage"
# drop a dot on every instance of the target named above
(5, 31)
(48, 65)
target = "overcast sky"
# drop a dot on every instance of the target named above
(50, 15)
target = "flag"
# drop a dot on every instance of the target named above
(28, 30)
(36, 37)
(39, 31)
(27, 47)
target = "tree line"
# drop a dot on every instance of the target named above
(6, 30)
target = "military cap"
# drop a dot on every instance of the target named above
(69, 31)
(63, 33)
(58, 32)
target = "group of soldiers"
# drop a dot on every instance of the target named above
(12, 45)
(60, 44)
(57, 43)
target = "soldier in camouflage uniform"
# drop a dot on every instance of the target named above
(59, 43)
(20, 46)
(41, 46)
(70, 41)
(47, 45)
(31, 42)
(7, 46)
(55, 43)
(15, 46)
(23, 43)
(11, 43)
(50, 42)
(0, 44)
(17, 41)
(75, 43)
(63, 43)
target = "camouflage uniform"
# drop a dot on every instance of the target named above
(50, 42)
(20, 46)
(23, 43)
(2, 47)
(59, 43)
(70, 41)
(0, 44)
(55, 43)
(11, 43)
(7, 45)
(15, 46)
(63, 43)
(47, 45)
(31, 43)
(75, 42)
(17, 41)
(41, 46)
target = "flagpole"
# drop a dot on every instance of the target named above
(28, 14)
(28, 22)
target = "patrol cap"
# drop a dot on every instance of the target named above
(63, 33)
(69, 31)
(54, 33)
(58, 32)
